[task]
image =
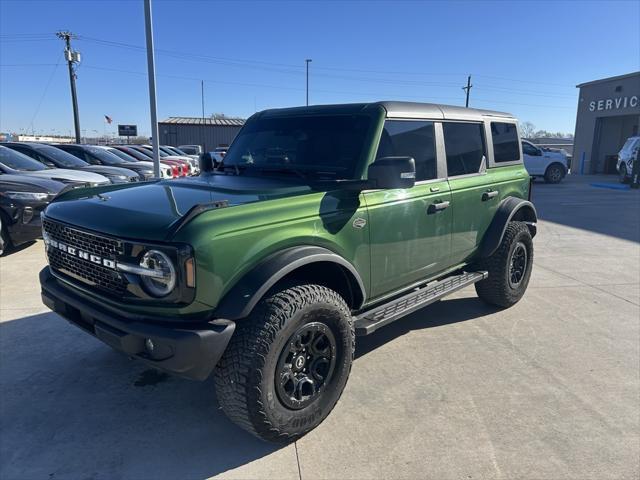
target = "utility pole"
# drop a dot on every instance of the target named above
(151, 72)
(467, 89)
(72, 58)
(203, 120)
(308, 61)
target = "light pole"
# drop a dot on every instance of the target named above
(151, 72)
(307, 61)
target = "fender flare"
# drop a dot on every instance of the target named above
(511, 208)
(240, 300)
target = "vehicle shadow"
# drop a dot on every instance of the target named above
(13, 249)
(444, 312)
(73, 408)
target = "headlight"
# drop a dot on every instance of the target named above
(26, 195)
(164, 279)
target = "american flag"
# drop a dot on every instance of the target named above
(108, 119)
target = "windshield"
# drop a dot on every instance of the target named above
(60, 157)
(177, 151)
(328, 146)
(18, 161)
(104, 156)
(124, 156)
(144, 152)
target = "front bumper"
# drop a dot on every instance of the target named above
(21, 232)
(190, 351)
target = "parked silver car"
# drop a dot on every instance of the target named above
(12, 162)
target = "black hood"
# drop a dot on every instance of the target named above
(27, 183)
(104, 170)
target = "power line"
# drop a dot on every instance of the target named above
(338, 92)
(44, 93)
(299, 69)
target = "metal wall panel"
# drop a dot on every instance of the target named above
(211, 136)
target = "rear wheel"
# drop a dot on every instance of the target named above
(554, 173)
(287, 363)
(509, 268)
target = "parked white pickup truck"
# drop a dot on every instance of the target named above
(551, 165)
(625, 158)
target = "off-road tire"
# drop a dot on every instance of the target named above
(245, 377)
(497, 289)
(554, 173)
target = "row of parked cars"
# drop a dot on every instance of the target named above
(32, 174)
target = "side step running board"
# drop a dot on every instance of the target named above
(369, 321)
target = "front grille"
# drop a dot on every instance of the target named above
(84, 270)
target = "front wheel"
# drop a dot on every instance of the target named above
(622, 173)
(5, 242)
(554, 174)
(287, 363)
(509, 268)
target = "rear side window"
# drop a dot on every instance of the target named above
(407, 138)
(464, 143)
(505, 142)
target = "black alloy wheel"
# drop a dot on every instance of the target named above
(306, 365)
(517, 265)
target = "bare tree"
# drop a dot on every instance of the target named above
(527, 129)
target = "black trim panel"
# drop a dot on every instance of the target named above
(506, 211)
(241, 299)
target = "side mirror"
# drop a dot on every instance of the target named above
(392, 172)
(207, 162)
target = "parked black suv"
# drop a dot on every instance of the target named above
(22, 199)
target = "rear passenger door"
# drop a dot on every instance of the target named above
(409, 229)
(473, 199)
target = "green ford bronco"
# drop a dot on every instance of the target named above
(321, 224)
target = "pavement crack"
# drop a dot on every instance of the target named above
(295, 444)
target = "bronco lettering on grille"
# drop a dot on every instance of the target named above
(76, 252)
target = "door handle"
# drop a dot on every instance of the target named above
(436, 207)
(489, 195)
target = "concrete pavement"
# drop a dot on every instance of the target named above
(547, 389)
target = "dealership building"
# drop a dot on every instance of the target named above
(210, 132)
(608, 114)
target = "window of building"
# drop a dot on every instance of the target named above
(408, 138)
(505, 142)
(465, 146)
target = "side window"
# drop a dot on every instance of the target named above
(464, 143)
(529, 149)
(409, 138)
(505, 142)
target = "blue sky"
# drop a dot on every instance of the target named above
(525, 57)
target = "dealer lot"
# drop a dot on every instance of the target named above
(547, 389)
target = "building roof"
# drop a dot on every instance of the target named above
(218, 122)
(394, 110)
(609, 79)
